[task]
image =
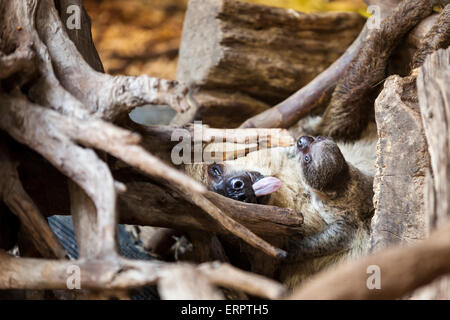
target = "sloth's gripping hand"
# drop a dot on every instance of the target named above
(336, 237)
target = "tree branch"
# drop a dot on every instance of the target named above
(402, 271)
(119, 274)
(15, 197)
(106, 96)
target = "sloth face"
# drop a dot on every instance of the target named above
(244, 186)
(321, 161)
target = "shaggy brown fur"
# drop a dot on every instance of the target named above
(351, 105)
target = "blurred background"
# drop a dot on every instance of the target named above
(137, 37)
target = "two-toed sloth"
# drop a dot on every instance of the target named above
(330, 184)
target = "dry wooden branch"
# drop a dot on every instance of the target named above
(141, 205)
(21, 59)
(123, 147)
(106, 96)
(402, 270)
(266, 137)
(266, 220)
(401, 165)
(160, 140)
(15, 197)
(248, 282)
(119, 273)
(82, 37)
(186, 283)
(82, 165)
(237, 229)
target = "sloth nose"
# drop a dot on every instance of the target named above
(237, 184)
(304, 142)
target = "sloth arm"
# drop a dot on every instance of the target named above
(336, 237)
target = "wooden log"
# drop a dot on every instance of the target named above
(260, 54)
(433, 85)
(402, 161)
(434, 96)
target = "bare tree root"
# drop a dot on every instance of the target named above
(247, 282)
(84, 167)
(119, 274)
(186, 283)
(106, 96)
(15, 197)
(49, 133)
(82, 37)
(160, 141)
(57, 105)
(22, 58)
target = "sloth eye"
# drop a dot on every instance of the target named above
(307, 159)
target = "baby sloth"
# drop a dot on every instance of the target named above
(342, 196)
(245, 186)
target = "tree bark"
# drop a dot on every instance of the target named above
(401, 165)
(434, 99)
